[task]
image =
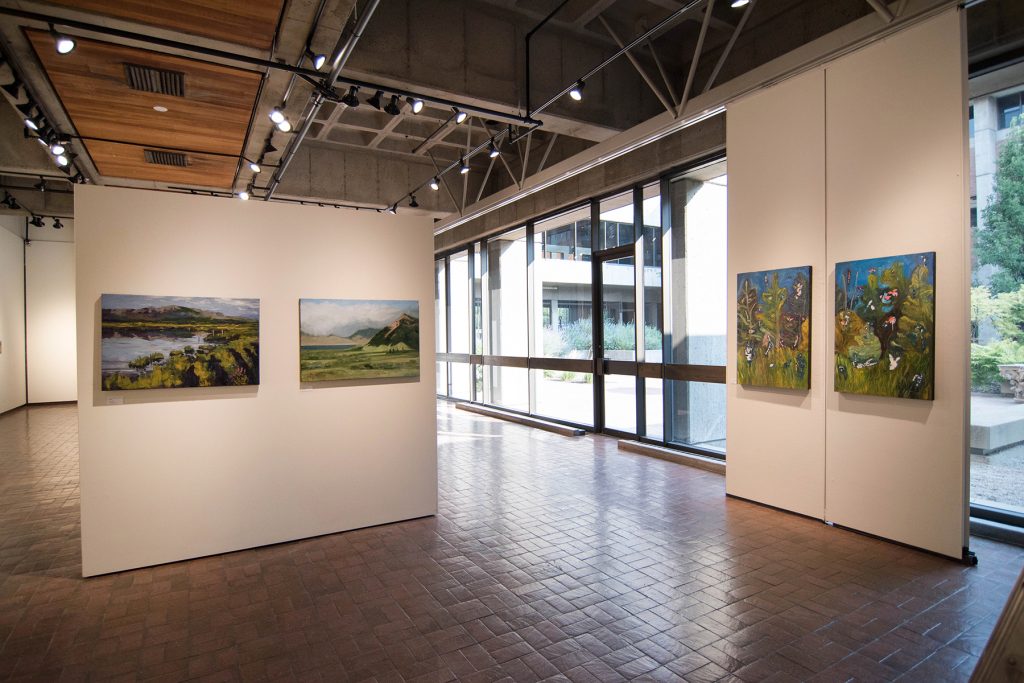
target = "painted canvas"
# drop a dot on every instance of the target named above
(885, 326)
(169, 342)
(342, 339)
(773, 326)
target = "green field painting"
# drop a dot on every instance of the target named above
(773, 318)
(885, 326)
(347, 339)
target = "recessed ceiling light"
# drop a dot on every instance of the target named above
(160, 108)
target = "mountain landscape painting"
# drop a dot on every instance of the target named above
(885, 326)
(773, 325)
(344, 339)
(170, 342)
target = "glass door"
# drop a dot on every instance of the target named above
(615, 339)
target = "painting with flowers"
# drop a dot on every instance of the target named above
(885, 326)
(773, 328)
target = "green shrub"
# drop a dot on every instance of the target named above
(985, 362)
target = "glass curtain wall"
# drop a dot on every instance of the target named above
(441, 324)
(647, 266)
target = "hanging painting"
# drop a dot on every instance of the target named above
(343, 339)
(168, 342)
(773, 319)
(885, 326)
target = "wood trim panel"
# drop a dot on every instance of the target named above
(251, 23)
(714, 374)
(562, 364)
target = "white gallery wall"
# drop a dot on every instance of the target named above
(12, 313)
(862, 158)
(50, 319)
(169, 474)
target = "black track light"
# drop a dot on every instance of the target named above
(254, 167)
(492, 149)
(57, 225)
(41, 185)
(375, 100)
(392, 210)
(460, 116)
(392, 106)
(463, 165)
(13, 89)
(276, 115)
(35, 123)
(25, 108)
(350, 99)
(64, 44)
(739, 3)
(413, 204)
(9, 201)
(576, 92)
(415, 103)
(318, 59)
(269, 148)
(435, 183)
(79, 179)
(36, 221)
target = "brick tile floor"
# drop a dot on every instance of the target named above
(550, 558)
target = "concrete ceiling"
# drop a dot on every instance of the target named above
(471, 52)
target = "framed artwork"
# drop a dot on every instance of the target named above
(885, 326)
(343, 339)
(170, 342)
(773, 328)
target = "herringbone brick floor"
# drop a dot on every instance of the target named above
(550, 558)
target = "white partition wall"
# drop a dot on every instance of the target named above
(170, 474)
(776, 148)
(50, 320)
(12, 314)
(897, 132)
(861, 158)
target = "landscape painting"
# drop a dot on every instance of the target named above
(885, 326)
(169, 342)
(773, 326)
(345, 339)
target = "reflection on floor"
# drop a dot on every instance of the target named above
(550, 558)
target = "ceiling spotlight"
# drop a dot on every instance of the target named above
(284, 126)
(413, 204)
(392, 106)
(9, 201)
(41, 185)
(492, 149)
(318, 59)
(57, 225)
(375, 100)
(13, 89)
(435, 183)
(463, 165)
(36, 221)
(269, 148)
(276, 115)
(393, 209)
(63, 43)
(740, 3)
(243, 195)
(34, 122)
(57, 149)
(43, 142)
(254, 167)
(350, 99)
(460, 116)
(79, 179)
(416, 104)
(62, 160)
(576, 92)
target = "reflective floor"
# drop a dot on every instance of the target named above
(550, 558)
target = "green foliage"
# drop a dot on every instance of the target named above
(1009, 317)
(986, 359)
(1001, 242)
(319, 365)
(772, 329)
(230, 358)
(578, 336)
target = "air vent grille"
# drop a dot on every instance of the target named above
(164, 158)
(148, 79)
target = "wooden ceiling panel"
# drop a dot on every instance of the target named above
(211, 117)
(252, 23)
(128, 161)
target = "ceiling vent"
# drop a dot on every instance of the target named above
(148, 79)
(164, 158)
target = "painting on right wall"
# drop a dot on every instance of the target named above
(885, 326)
